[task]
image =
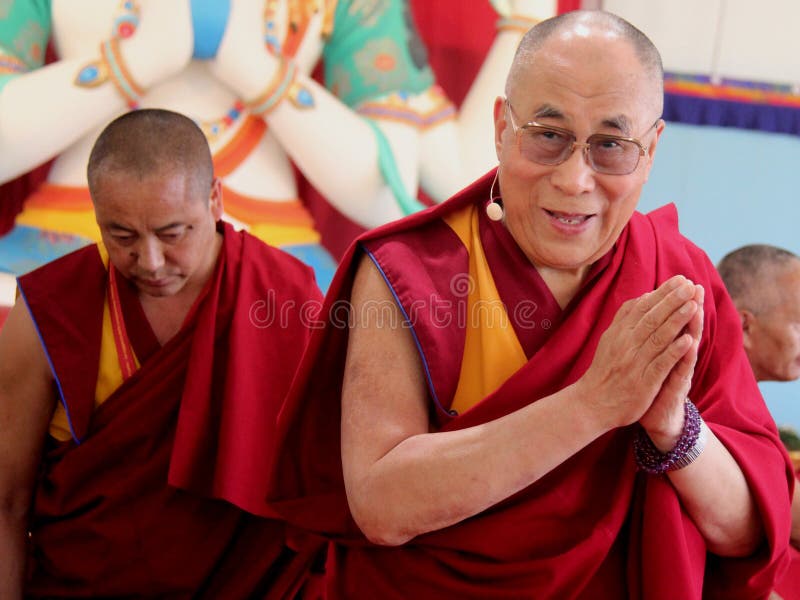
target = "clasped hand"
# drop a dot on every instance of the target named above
(644, 363)
(163, 44)
(243, 62)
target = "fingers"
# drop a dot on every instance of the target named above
(661, 365)
(649, 350)
(663, 421)
(679, 378)
(242, 61)
(163, 43)
(663, 314)
(695, 328)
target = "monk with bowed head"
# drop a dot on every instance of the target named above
(139, 386)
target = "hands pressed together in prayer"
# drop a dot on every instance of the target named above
(643, 367)
(642, 371)
(242, 61)
(162, 46)
(163, 42)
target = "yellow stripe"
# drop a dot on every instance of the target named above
(492, 352)
(109, 376)
(127, 357)
(284, 235)
(76, 222)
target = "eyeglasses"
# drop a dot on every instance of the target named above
(607, 154)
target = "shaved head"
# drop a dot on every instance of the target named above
(151, 143)
(751, 275)
(599, 25)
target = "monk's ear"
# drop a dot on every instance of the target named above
(500, 124)
(215, 199)
(748, 320)
(651, 148)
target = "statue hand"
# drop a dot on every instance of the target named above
(163, 43)
(242, 61)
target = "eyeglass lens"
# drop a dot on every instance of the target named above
(605, 154)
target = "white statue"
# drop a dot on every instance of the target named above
(241, 70)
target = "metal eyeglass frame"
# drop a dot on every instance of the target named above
(576, 144)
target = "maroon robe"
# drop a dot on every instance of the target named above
(593, 527)
(789, 585)
(161, 491)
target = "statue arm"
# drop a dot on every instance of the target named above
(336, 148)
(475, 125)
(43, 111)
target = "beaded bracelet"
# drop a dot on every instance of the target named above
(689, 446)
(519, 23)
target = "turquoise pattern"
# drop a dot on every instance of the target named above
(26, 248)
(88, 75)
(24, 32)
(305, 98)
(370, 52)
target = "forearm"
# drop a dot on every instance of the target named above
(43, 112)
(337, 150)
(26, 408)
(334, 147)
(717, 497)
(795, 536)
(474, 122)
(431, 481)
(402, 480)
(12, 554)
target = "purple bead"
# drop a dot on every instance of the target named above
(650, 460)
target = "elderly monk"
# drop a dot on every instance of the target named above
(140, 379)
(764, 284)
(514, 354)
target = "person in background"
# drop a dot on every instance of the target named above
(539, 397)
(764, 283)
(140, 379)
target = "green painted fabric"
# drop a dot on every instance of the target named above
(24, 32)
(374, 50)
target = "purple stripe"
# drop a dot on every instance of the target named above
(52, 367)
(413, 334)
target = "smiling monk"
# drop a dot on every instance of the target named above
(544, 393)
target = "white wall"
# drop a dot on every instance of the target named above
(734, 39)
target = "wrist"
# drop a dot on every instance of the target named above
(247, 79)
(686, 450)
(668, 433)
(591, 414)
(148, 65)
